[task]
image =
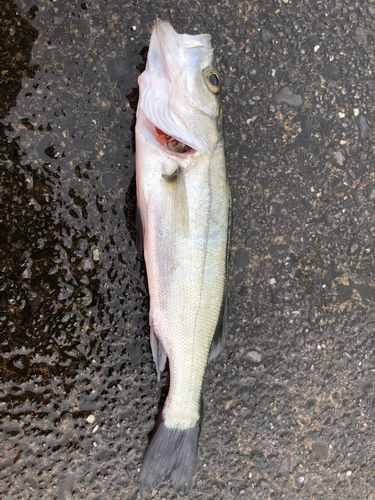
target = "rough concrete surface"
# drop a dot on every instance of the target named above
(289, 404)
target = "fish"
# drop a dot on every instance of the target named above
(183, 228)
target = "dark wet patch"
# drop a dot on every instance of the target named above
(44, 253)
(17, 36)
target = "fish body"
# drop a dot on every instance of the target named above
(183, 211)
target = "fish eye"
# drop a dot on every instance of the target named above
(212, 81)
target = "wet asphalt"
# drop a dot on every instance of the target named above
(289, 405)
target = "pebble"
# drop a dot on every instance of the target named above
(241, 258)
(360, 35)
(354, 248)
(287, 96)
(310, 404)
(95, 254)
(284, 468)
(339, 157)
(90, 419)
(58, 20)
(364, 128)
(327, 219)
(118, 68)
(250, 242)
(299, 479)
(255, 356)
(85, 265)
(266, 35)
(238, 279)
(329, 72)
(32, 484)
(370, 192)
(320, 450)
(109, 180)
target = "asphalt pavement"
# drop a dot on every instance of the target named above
(289, 405)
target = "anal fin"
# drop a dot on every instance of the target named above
(139, 224)
(158, 351)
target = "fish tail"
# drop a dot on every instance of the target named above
(171, 453)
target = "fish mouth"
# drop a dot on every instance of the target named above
(161, 139)
(172, 144)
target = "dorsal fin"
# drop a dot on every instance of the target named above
(220, 337)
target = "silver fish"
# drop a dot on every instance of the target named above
(183, 212)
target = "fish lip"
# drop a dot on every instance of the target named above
(161, 37)
(157, 41)
(174, 44)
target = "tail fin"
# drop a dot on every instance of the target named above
(170, 453)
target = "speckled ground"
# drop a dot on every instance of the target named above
(289, 406)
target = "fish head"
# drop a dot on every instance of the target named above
(179, 92)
